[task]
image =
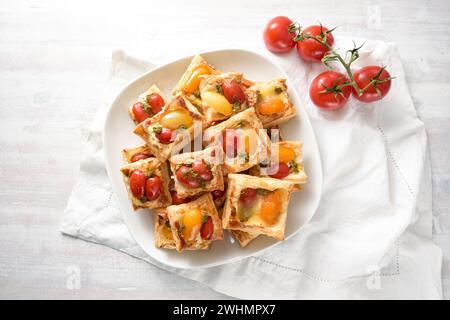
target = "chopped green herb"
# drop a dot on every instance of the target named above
(293, 167)
(236, 106)
(157, 129)
(262, 192)
(143, 199)
(182, 127)
(204, 216)
(219, 89)
(245, 214)
(258, 97)
(146, 107)
(148, 173)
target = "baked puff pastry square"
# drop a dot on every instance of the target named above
(271, 102)
(163, 232)
(195, 225)
(242, 137)
(256, 205)
(218, 104)
(147, 105)
(197, 172)
(285, 162)
(189, 83)
(135, 154)
(139, 173)
(172, 128)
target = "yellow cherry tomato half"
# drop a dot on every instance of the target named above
(271, 207)
(191, 219)
(271, 106)
(176, 119)
(218, 102)
(285, 154)
(193, 82)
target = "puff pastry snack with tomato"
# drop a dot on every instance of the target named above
(256, 205)
(271, 102)
(242, 138)
(195, 225)
(286, 163)
(171, 129)
(147, 105)
(197, 172)
(189, 82)
(222, 95)
(147, 183)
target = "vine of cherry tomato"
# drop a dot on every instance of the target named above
(330, 90)
(311, 50)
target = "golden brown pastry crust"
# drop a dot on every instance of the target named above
(164, 151)
(243, 238)
(151, 165)
(253, 97)
(239, 182)
(175, 214)
(245, 120)
(129, 153)
(143, 99)
(163, 232)
(296, 177)
(210, 83)
(211, 156)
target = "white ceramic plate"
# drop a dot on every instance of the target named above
(118, 135)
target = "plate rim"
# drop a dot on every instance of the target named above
(110, 172)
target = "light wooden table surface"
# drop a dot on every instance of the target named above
(54, 60)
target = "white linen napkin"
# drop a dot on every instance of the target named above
(371, 235)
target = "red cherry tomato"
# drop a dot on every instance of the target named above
(324, 92)
(139, 156)
(185, 177)
(139, 113)
(364, 76)
(230, 142)
(153, 187)
(310, 49)
(177, 200)
(216, 194)
(182, 174)
(282, 172)
(199, 166)
(194, 183)
(166, 136)
(207, 229)
(233, 92)
(248, 196)
(277, 37)
(156, 102)
(137, 183)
